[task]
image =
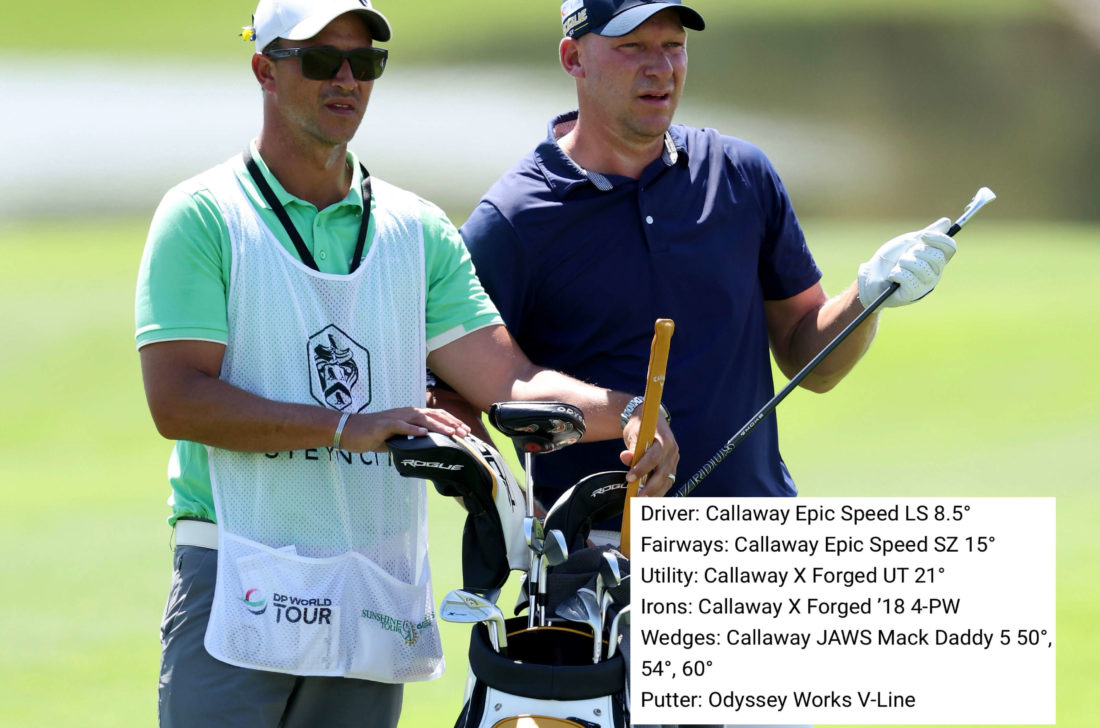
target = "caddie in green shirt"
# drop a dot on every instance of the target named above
(287, 304)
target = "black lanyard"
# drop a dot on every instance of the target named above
(280, 212)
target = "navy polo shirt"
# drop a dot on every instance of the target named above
(580, 266)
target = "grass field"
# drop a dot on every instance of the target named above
(426, 29)
(992, 380)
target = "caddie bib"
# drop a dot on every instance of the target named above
(322, 560)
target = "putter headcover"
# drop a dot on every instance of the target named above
(538, 427)
(492, 538)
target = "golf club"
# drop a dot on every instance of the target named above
(981, 198)
(623, 615)
(608, 576)
(536, 427)
(554, 553)
(465, 607)
(583, 608)
(533, 533)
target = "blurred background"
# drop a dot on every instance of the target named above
(881, 115)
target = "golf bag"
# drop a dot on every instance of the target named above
(547, 677)
(550, 676)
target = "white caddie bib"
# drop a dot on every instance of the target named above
(323, 559)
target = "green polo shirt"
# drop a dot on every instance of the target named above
(183, 283)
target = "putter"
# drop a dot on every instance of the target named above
(980, 200)
(583, 608)
(554, 553)
(465, 607)
(536, 427)
(623, 615)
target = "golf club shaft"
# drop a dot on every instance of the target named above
(772, 403)
(984, 196)
(651, 410)
(532, 566)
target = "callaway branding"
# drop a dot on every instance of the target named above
(427, 464)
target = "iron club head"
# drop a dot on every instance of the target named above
(465, 607)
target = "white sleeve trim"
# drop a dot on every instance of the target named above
(180, 338)
(456, 333)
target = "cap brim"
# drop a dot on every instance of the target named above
(376, 22)
(626, 21)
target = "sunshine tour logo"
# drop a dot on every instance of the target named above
(408, 631)
(290, 609)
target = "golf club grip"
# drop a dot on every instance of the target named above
(651, 410)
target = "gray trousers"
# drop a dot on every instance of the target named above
(197, 690)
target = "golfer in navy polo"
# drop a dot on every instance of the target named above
(620, 217)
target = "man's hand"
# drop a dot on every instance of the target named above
(915, 261)
(659, 461)
(369, 432)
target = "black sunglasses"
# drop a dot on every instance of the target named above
(322, 63)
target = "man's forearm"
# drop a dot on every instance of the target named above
(818, 329)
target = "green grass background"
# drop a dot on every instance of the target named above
(986, 388)
(991, 381)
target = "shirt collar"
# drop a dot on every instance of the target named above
(354, 198)
(565, 175)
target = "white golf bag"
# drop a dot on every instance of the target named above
(547, 680)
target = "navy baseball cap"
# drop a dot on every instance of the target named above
(618, 17)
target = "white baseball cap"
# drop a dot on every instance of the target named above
(301, 19)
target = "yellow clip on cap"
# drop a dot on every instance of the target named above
(248, 33)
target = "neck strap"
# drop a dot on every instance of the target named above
(288, 225)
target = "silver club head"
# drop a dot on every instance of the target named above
(622, 617)
(583, 608)
(536, 539)
(463, 607)
(981, 199)
(608, 576)
(554, 553)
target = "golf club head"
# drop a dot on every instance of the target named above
(534, 534)
(554, 553)
(463, 607)
(620, 593)
(621, 618)
(538, 427)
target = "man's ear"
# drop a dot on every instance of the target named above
(263, 68)
(569, 53)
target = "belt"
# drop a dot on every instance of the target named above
(190, 532)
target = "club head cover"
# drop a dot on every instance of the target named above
(593, 499)
(538, 427)
(492, 538)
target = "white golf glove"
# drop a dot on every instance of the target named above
(914, 260)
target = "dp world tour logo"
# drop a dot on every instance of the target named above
(255, 600)
(339, 370)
